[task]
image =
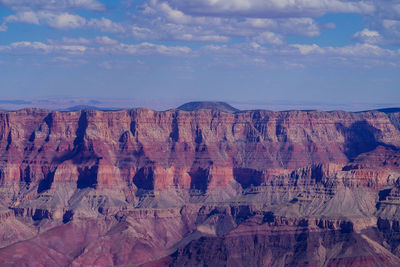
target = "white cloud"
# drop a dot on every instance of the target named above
(302, 56)
(386, 21)
(269, 38)
(203, 38)
(391, 24)
(3, 27)
(285, 55)
(213, 47)
(388, 9)
(362, 50)
(74, 48)
(308, 49)
(261, 23)
(368, 36)
(52, 4)
(258, 28)
(292, 26)
(25, 17)
(300, 26)
(63, 20)
(350, 51)
(25, 47)
(175, 15)
(392, 28)
(146, 48)
(271, 8)
(159, 21)
(39, 48)
(71, 60)
(183, 20)
(98, 46)
(70, 41)
(105, 40)
(179, 17)
(105, 25)
(142, 32)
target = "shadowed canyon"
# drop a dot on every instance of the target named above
(201, 185)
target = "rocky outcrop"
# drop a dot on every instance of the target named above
(147, 187)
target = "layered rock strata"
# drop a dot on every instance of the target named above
(201, 187)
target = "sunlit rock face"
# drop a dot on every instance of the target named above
(203, 185)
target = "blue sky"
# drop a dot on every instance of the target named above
(331, 52)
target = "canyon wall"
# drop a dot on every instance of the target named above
(201, 187)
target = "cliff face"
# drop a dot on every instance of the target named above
(153, 187)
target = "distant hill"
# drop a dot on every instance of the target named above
(389, 110)
(220, 106)
(384, 110)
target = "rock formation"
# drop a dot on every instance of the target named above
(202, 185)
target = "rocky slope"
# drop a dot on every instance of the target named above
(204, 187)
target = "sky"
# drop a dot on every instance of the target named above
(159, 53)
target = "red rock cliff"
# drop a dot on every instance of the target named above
(156, 150)
(135, 187)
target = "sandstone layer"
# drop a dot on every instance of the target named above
(201, 187)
